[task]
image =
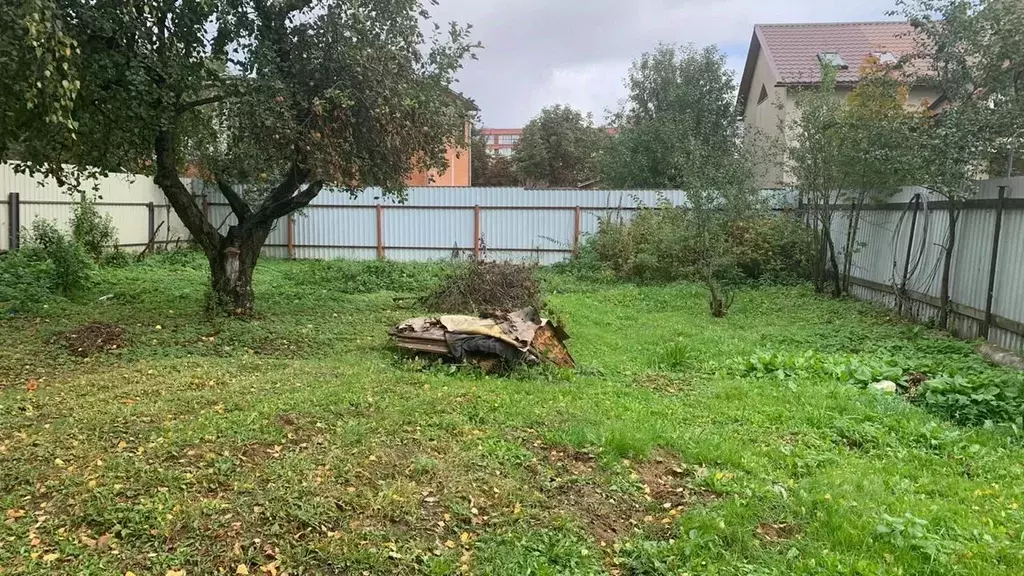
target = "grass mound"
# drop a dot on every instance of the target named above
(481, 286)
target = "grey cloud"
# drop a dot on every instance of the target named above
(577, 52)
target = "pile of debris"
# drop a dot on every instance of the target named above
(479, 286)
(492, 340)
(92, 339)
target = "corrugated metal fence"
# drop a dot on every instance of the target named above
(434, 223)
(881, 258)
(135, 203)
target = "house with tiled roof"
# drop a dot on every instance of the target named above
(783, 58)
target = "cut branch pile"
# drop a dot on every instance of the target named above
(482, 286)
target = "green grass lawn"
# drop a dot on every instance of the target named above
(299, 443)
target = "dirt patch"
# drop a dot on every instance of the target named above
(288, 419)
(669, 483)
(572, 482)
(569, 481)
(92, 339)
(482, 286)
(773, 533)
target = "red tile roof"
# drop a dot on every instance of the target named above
(792, 49)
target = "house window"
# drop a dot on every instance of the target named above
(832, 59)
(764, 94)
(505, 151)
(507, 139)
(885, 57)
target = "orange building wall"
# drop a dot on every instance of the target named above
(457, 174)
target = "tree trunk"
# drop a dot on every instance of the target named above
(232, 257)
(853, 225)
(837, 289)
(947, 264)
(820, 263)
(231, 269)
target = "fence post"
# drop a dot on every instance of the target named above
(152, 221)
(206, 207)
(291, 236)
(380, 232)
(996, 233)
(476, 232)
(577, 217)
(906, 260)
(13, 221)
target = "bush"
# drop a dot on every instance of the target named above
(777, 250)
(94, 232)
(649, 248)
(364, 277)
(655, 246)
(24, 281)
(480, 286)
(69, 268)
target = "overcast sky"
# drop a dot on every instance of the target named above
(543, 52)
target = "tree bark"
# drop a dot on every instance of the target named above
(947, 264)
(837, 289)
(231, 269)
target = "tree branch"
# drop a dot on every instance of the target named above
(198, 103)
(238, 204)
(178, 195)
(284, 206)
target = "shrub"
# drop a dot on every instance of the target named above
(777, 250)
(657, 246)
(116, 258)
(479, 286)
(93, 231)
(652, 247)
(364, 277)
(24, 281)
(69, 268)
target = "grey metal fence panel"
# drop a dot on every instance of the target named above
(881, 256)
(503, 196)
(535, 229)
(335, 227)
(427, 228)
(419, 254)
